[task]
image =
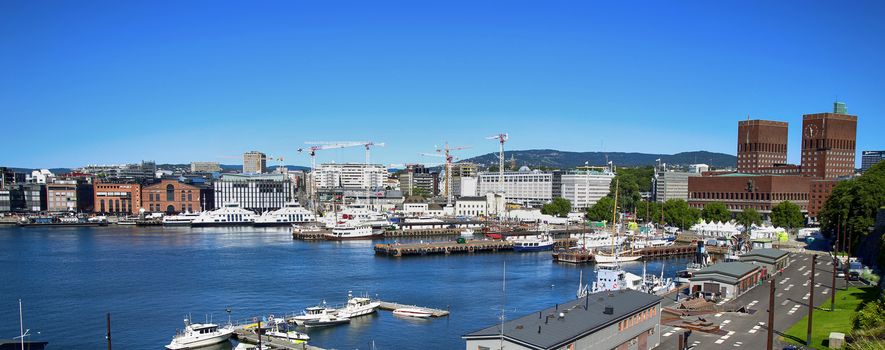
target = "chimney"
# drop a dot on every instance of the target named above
(609, 310)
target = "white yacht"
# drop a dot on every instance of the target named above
(183, 219)
(597, 239)
(313, 313)
(641, 243)
(610, 277)
(199, 334)
(357, 306)
(536, 243)
(290, 213)
(352, 230)
(280, 329)
(231, 214)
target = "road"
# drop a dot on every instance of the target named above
(791, 304)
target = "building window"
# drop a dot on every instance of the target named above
(170, 193)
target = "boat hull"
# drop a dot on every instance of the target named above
(533, 249)
(220, 224)
(333, 237)
(317, 324)
(200, 343)
(411, 313)
(610, 259)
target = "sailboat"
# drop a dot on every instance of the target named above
(38, 345)
(615, 257)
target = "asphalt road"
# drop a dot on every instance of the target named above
(792, 291)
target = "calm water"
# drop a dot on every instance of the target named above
(149, 278)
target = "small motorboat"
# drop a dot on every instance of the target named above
(412, 312)
(280, 329)
(313, 313)
(467, 233)
(357, 306)
(326, 321)
(199, 334)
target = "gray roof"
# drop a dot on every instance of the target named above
(734, 270)
(577, 322)
(471, 198)
(769, 253)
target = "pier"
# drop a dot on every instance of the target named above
(587, 256)
(247, 336)
(471, 246)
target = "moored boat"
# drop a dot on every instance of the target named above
(231, 214)
(196, 335)
(352, 230)
(412, 312)
(291, 213)
(183, 219)
(358, 306)
(534, 243)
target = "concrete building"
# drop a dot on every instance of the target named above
(254, 162)
(671, 184)
(255, 192)
(584, 186)
(471, 206)
(64, 195)
(170, 197)
(123, 198)
(468, 186)
(623, 320)
(415, 206)
(829, 143)
(350, 175)
(42, 176)
(698, 168)
(527, 188)
(146, 170)
(870, 158)
(460, 172)
(417, 179)
(725, 280)
(761, 144)
(741, 191)
(205, 167)
(771, 260)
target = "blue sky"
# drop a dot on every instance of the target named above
(119, 81)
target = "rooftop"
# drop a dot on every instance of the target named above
(767, 253)
(733, 269)
(577, 321)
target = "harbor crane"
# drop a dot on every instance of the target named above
(503, 137)
(446, 152)
(325, 145)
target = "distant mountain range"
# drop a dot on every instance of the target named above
(564, 159)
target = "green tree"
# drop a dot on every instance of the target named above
(853, 205)
(678, 213)
(749, 217)
(786, 214)
(649, 212)
(716, 211)
(602, 210)
(558, 207)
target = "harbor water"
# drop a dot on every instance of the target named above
(150, 278)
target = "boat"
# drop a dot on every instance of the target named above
(653, 284)
(352, 230)
(313, 313)
(641, 243)
(358, 306)
(199, 334)
(596, 239)
(129, 221)
(280, 329)
(231, 214)
(467, 233)
(291, 213)
(412, 312)
(684, 276)
(183, 219)
(607, 259)
(247, 346)
(326, 320)
(610, 277)
(534, 243)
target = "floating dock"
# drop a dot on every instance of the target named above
(390, 306)
(587, 256)
(247, 336)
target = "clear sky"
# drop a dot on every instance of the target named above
(85, 82)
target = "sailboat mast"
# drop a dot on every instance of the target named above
(615, 209)
(21, 324)
(504, 302)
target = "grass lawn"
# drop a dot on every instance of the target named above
(847, 303)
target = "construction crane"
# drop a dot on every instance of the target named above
(324, 145)
(503, 137)
(279, 161)
(446, 152)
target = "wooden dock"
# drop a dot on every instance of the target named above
(573, 256)
(390, 306)
(423, 232)
(470, 246)
(587, 256)
(247, 336)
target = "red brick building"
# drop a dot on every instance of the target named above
(761, 145)
(741, 191)
(117, 198)
(828, 145)
(170, 196)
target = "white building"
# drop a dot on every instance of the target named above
(698, 168)
(668, 185)
(42, 176)
(526, 187)
(350, 175)
(584, 187)
(255, 192)
(467, 186)
(471, 206)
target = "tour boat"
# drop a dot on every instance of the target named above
(606, 259)
(534, 243)
(313, 313)
(183, 219)
(199, 334)
(467, 233)
(641, 243)
(231, 214)
(357, 306)
(352, 230)
(290, 213)
(412, 312)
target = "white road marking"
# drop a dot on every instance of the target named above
(806, 273)
(816, 274)
(788, 287)
(785, 280)
(779, 294)
(826, 291)
(717, 315)
(806, 296)
(785, 302)
(801, 268)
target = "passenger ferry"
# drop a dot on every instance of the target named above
(610, 277)
(353, 230)
(229, 215)
(183, 219)
(290, 213)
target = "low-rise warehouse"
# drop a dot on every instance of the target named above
(726, 280)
